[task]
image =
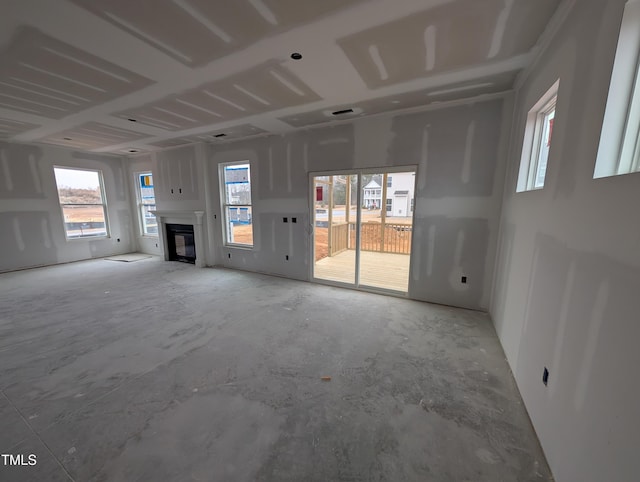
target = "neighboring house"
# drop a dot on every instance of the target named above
(400, 194)
(372, 196)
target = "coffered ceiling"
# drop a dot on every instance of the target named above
(121, 75)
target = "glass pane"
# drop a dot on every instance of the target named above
(335, 220)
(84, 221)
(147, 195)
(237, 183)
(239, 225)
(385, 233)
(149, 223)
(77, 186)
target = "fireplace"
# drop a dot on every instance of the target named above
(190, 243)
(181, 243)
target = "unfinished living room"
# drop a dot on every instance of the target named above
(338, 240)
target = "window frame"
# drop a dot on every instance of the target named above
(226, 225)
(532, 144)
(538, 143)
(141, 204)
(103, 195)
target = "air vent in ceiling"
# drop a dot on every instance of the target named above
(343, 111)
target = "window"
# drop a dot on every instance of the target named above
(146, 204)
(236, 203)
(81, 194)
(389, 205)
(389, 181)
(619, 149)
(537, 141)
(412, 203)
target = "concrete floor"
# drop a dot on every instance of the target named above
(157, 370)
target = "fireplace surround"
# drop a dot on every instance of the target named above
(189, 218)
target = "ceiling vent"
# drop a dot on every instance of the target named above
(342, 112)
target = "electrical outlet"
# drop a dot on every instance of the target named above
(285, 220)
(156, 245)
(287, 257)
(463, 280)
(229, 254)
(118, 239)
(294, 220)
(545, 376)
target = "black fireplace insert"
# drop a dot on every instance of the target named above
(181, 243)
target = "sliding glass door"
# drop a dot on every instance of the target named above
(363, 223)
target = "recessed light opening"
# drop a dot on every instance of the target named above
(343, 111)
(296, 55)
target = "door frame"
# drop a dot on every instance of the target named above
(360, 199)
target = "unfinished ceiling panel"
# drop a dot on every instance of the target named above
(215, 27)
(264, 88)
(93, 135)
(455, 35)
(10, 127)
(43, 76)
(234, 132)
(487, 85)
(177, 141)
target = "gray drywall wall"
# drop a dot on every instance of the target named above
(567, 271)
(179, 180)
(32, 231)
(180, 185)
(136, 165)
(459, 155)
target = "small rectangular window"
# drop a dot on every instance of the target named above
(619, 148)
(537, 141)
(389, 205)
(146, 204)
(82, 200)
(236, 203)
(389, 181)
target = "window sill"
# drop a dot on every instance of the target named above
(87, 238)
(246, 247)
(532, 189)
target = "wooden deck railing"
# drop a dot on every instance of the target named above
(396, 237)
(387, 238)
(339, 241)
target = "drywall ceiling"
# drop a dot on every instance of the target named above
(118, 75)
